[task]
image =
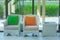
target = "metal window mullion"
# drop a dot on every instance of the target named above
(6, 8)
(59, 18)
(32, 6)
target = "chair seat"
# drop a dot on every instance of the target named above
(31, 28)
(11, 27)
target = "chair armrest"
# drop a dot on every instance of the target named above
(38, 20)
(5, 23)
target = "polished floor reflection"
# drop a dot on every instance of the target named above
(2, 37)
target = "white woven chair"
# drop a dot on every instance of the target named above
(49, 29)
(31, 29)
(12, 30)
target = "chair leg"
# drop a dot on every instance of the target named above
(34, 35)
(59, 28)
(25, 35)
(9, 34)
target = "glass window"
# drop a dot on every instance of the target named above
(52, 11)
(1, 9)
(25, 7)
(52, 0)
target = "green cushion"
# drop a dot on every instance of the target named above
(13, 20)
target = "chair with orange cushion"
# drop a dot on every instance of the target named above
(31, 25)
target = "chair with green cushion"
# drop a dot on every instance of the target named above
(12, 25)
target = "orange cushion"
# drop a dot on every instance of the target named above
(30, 21)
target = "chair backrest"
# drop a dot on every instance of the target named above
(30, 21)
(13, 20)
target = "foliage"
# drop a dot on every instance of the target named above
(51, 10)
(1, 11)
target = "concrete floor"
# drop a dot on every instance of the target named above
(2, 37)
